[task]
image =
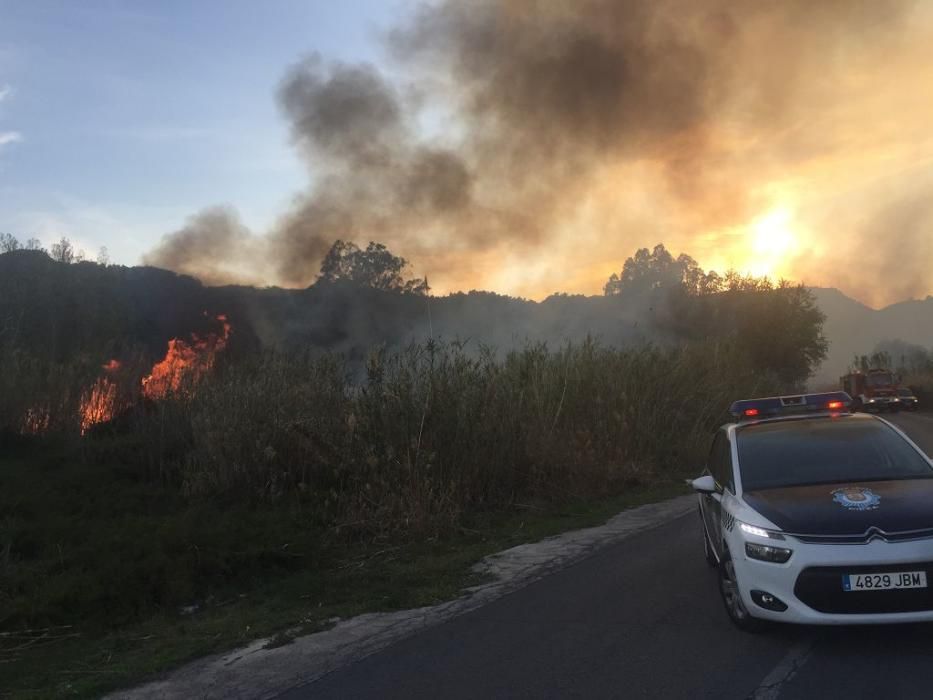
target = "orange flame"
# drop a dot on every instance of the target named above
(35, 421)
(98, 403)
(185, 363)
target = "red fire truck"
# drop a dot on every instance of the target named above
(874, 390)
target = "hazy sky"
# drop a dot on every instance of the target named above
(130, 116)
(520, 146)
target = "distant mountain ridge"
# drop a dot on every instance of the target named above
(854, 328)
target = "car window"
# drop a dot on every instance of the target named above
(721, 461)
(905, 392)
(820, 451)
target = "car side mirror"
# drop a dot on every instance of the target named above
(705, 484)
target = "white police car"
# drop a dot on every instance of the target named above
(816, 515)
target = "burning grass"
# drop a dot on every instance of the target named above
(434, 432)
(185, 363)
(424, 436)
(275, 476)
(48, 398)
(99, 404)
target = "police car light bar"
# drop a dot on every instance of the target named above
(789, 405)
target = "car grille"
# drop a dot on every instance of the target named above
(872, 533)
(820, 587)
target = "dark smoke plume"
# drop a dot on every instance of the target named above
(213, 246)
(376, 180)
(530, 109)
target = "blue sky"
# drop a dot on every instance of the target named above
(118, 120)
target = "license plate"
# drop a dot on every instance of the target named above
(884, 582)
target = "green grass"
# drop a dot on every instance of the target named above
(91, 541)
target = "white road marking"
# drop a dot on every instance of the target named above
(770, 688)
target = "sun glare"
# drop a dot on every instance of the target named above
(772, 242)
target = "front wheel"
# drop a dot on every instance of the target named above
(732, 599)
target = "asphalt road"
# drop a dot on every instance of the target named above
(640, 619)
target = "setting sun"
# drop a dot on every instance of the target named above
(772, 242)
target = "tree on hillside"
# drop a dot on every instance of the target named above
(905, 358)
(778, 326)
(8, 243)
(879, 359)
(658, 270)
(375, 266)
(103, 256)
(35, 244)
(63, 251)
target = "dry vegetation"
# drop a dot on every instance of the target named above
(282, 466)
(279, 485)
(428, 433)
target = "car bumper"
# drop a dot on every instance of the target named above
(883, 404)
(830, 561)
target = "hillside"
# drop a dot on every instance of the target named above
(853, 328)
(63, 311)
(93, 311)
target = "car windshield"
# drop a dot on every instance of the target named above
(824, 450)
(879, 379)
(904, 392)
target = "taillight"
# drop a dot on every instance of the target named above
(749, 412)
(834, 405)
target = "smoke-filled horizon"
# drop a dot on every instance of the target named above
(530, 147)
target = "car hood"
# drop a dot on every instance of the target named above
(847, 509)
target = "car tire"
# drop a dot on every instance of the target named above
(732, 599)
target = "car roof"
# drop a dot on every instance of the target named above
(797, 418)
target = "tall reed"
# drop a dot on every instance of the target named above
(434, 431)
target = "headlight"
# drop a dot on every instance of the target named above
(765, 552)
(760, 531)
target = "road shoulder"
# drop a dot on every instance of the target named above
(261, 670)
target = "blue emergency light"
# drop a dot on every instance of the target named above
(750, 409)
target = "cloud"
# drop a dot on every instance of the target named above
(7, 137)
